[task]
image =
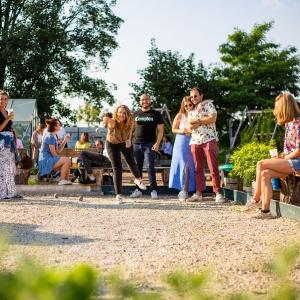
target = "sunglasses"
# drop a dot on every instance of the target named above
(188, 105)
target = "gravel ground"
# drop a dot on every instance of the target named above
(147, 238)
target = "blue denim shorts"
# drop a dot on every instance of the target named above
(295, 164)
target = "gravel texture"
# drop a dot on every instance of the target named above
(147, 238)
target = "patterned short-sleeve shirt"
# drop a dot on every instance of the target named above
(292, 136)
(205, 132)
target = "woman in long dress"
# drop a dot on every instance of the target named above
(8, 152)
(182, 171)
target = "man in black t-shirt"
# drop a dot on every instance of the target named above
(148, 134)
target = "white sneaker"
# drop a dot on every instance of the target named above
(262, 216)
(140, 184)
(136, 194)
(154, 195)
(220, 198)
(183, 195)
(251, 205)
(64, 182)
(119, 199)
(195, 198)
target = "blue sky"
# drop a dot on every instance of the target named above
(191, 26)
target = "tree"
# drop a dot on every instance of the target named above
(48, 47)
(88, 113)
(255, 70)
(168, 78)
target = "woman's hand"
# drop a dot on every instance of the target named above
(128, 143)
(67, 137)
(10, 116)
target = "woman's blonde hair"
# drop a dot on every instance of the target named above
(286, 108)
(129, 117)
(84, 138)
(185, 99)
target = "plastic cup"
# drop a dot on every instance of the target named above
(74, 162)
(274, 153)
(10, 110)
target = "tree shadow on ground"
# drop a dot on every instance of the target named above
(25, 234)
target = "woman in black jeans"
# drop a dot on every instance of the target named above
(118, 141)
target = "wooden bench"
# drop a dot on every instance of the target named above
(290, 189)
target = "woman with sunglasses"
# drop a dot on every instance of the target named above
(182, 168)
(287, 113)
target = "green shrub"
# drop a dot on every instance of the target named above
(245, 158)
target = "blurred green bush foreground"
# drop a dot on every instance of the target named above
(30, 281)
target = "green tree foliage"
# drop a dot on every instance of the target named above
(168, 78)
(255, 70)
(48, 47)
(88, 113)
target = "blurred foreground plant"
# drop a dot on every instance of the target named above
(30, 281)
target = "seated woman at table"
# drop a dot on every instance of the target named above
(83, 142)
(48, 158)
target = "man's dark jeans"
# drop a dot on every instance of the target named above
(144, 152)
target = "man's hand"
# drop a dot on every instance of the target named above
(155, 147)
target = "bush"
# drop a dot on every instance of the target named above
(245, 158)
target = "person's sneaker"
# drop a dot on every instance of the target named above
(154, 195)
(64, 182)
(183, 195)
(136, 194)
(195, 198)
(261, 215)
(220, 198)
(251, 205)
(140, 184)
(119, 199)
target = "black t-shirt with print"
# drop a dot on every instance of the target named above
(146, 124)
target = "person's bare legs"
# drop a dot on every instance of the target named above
(280, 166)
(266, 186)
(63, 164)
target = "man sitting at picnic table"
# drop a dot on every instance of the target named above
(89, 159)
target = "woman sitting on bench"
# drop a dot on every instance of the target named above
(48, 158)
(287, 113)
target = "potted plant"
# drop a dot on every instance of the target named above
(245, 158)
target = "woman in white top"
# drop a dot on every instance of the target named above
(182, 171)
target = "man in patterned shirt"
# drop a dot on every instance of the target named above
(202, 121)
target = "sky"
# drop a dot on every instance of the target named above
(190, 26)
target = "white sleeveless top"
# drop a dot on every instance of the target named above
(183, 122)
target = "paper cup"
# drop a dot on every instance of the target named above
(274, 153)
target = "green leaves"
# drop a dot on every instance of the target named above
(245, 158)
(49, 48)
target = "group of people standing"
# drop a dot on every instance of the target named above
(138, 136)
